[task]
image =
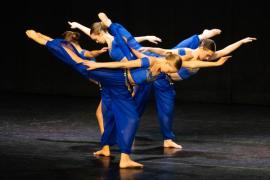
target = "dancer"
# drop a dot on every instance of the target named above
(205, 51)
(120, 119)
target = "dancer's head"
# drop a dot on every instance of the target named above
(171, 64)
(98, 30)
(206, 49)
(71, 36)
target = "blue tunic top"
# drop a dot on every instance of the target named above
(143, 75)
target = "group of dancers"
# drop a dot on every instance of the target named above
(134, 73)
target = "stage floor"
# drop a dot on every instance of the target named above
(50, 137)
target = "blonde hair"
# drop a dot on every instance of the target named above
(71, 36)
(97, 28)
(175, 60)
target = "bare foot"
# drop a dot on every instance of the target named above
(170, 144)
(31, 33)
(171, 151)
(105, 151)
(210, 33)
(126, 162)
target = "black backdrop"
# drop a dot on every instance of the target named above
(28, 68)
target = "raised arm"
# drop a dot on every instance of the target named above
(38, 37)
(227, 50)
(205, 64)
(84, 29)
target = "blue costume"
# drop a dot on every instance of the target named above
(163, 88)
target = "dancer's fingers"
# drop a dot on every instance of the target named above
(158, 39)
(253, 38)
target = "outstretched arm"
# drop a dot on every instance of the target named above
(113, 65)
(205, 64)
(38, 37)
(95, 53)
(152, 39)
(160, 51)
(227, 50)
(84, 29)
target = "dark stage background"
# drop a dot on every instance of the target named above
(29, 68)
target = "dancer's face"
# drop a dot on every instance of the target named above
(99, 38)
(205, 54)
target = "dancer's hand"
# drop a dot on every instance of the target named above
(144, 49)
(248, 39)
(91, 65)
(154, 39)
(73, 25)
(223, 59)
(104, 49)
